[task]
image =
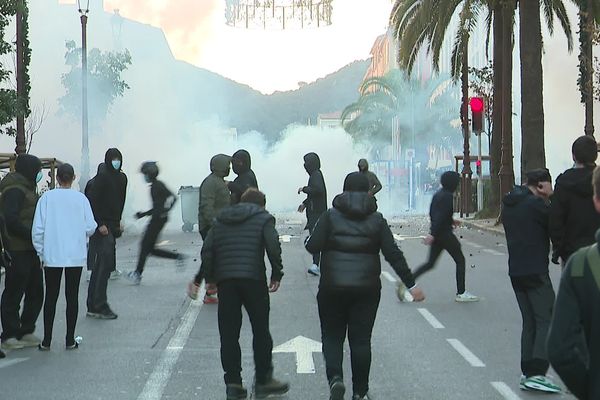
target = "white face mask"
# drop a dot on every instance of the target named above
(39, 177)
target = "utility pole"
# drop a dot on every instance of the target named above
(21, 146)
(85, 151)
(467, 173)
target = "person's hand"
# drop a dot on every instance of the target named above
(211, 287)
(103, 230)
(417, 294)
(555, 259)
(456, 223)
(428, 240)
(300, 190)
(274, 286)
(301, 208)
(139, 215)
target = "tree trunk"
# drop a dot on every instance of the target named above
(532, 97)
(586, 69)
(21, 145)
(507, 175)
(496, 140)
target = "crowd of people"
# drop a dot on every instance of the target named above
(64, 230)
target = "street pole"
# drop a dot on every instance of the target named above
(479, 176)
(21, 145)
(467, 173)
(507, 174)
(85, 151)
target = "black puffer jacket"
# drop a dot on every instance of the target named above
(350, 236)
(235, 246)
(316, 201)
(242, 166)
(573, 219)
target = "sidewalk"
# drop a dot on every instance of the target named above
(487, 225)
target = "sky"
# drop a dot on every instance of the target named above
(266, 60)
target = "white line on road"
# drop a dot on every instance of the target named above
(388, 276)
(433, 321)
(493, 252)
(157, 382)
(505, 391)
(466, 353)
(11, 361)
(402, 238)
(472, 244)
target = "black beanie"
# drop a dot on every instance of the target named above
(356, 182)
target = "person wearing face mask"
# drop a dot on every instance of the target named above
(241, 164)
(162, 202)
(107, 198)
(24, 276)
(374, 184)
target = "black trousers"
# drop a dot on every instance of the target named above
(450, 243)
(53, 277)
(23, 279)
(535, 296)
(148, 245)
(254, 297)
(352, 311)
(104, 265)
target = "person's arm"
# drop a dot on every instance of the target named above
(558, 217)
(394, 256)
(315, 185)
(206, 256)
(12, 204)
(567, 349)
(39, 226)
(95, 197)
(124, 195)
(317, 241)
(90, 222)
(207, 202)
(273, 248)
(377, 185)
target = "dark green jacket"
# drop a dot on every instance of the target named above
(214, 193)
(18, 222)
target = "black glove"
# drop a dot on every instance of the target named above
(555, 258)
(139, 215)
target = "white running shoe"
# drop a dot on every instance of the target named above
(404, 294)
(314, 270)
(466, 297)
(116, 274)
(30, 340)
(541, 383)
(522, 383)
(12, 344)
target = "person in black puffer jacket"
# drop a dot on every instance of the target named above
(573, 219)
(350, 236)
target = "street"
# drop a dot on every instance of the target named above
(163, 346)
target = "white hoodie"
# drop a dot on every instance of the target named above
(63, 221)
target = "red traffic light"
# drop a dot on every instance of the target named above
(476, 104)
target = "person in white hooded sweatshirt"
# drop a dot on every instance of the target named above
(62, 224)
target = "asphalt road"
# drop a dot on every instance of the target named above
(163, 346)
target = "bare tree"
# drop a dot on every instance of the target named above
(34, 122)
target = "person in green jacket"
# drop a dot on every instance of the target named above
(374, 184)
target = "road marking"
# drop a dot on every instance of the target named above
(163, 243)
(466, 353)
(505, 391)
(157, 382)
(401, 238)
(475, 245)
(285, 238)
(493, 252)
(11, 361)
(433, 321)
(388, 276)
(303, 348)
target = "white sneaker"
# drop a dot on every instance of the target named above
(12, 344)
(403, 293)
(541, 383)
(314, 270)
(116, 274)
(30, 340)
(466, 297)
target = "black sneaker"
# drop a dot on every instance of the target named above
(337, 389)
(236, 391)
(272, 388)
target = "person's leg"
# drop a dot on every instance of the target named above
(106, 264)
(542, 303)
(53, 277)
(528, 331)
(157, 227)
(361, 318)
(434, 253)
(146, 246)
(72, 279)
(92, 252)
(17, 277)
(452, 246)
(34, 295)
(333, 315)
(96, 239)
(230, 324)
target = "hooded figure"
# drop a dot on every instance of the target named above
(24, 276)
(214, 194)
(573, 219)
(241, 164)
(374, 184)
(350, 237)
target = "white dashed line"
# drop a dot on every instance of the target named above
(433, 321)
(505, 391)
(493, 252)
(388, 276)
(11, 361)
(466, 353)
(402, 238)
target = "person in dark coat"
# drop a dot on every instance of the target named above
(374, 184)
(574, 338)
(162, 202)
(24, 276)
(441, 237)
(233, 257)
(350, 237)
(107, 198)
(525, 217)
(316, 200)
(573, 219)
(242, 167)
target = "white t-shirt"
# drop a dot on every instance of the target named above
(62, 224)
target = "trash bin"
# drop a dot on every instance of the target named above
(190, 197)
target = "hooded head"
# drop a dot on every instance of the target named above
(312, 162)
(585, 150)
(113, 159)
(219, 165)
(150, 170)
(450, 181)
(356, 182)
(363, 165)
(29, 166)
(241, 162)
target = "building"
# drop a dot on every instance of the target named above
(330, 120)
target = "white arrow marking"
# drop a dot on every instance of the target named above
(303, 348)
(285, 238)
(11, 361)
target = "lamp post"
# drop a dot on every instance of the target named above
(85, 156)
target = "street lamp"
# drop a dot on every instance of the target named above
(84, 9)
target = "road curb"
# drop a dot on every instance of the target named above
(495, 230)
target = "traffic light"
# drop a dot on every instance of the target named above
(477, 108)
(478, 169)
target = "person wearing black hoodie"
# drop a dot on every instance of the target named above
(233, 257)
(241, 165)
(525, 218)
(574, 338)
(316, 201)
(441, 237)
(107, 198)
(573, 219)
(350, 237)
(24, 276)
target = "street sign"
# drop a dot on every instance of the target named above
(303, 348)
